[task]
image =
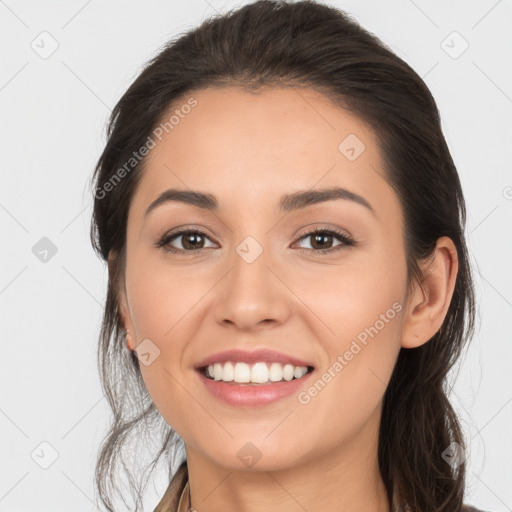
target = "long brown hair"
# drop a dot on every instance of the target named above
(301, 44)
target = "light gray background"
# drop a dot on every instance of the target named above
(53, 111)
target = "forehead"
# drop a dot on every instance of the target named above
(233, 143)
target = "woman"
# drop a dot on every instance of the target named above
(284, 230)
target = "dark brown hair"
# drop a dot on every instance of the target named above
(302, 44)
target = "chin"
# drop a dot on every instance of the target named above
(245, 455)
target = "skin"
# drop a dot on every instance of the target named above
(248, 150)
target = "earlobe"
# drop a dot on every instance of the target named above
(126, 323)
(429, 303)
(129, 342)
(124, 316)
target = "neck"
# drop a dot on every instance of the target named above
(345, 479)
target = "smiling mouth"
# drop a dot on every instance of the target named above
(259, 373)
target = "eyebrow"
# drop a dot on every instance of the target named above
(287, 202)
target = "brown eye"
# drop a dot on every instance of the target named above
(191, 240)
(322, 241)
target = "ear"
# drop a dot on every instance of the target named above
(427, 307)
(124, 312)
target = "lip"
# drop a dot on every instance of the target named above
(253, 395)
(243, 356)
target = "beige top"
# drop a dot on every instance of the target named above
(184, 503)
(170, 501)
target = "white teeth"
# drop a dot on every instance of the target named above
(242, 372)
(288, 372)
(276, 372)
(217, 371)
(258, 373)
(228, 372)
(299, 372)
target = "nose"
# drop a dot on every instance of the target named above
(253, 295)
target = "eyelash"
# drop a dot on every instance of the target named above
(346, 240)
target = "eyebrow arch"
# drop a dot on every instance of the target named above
(304, 198)
(287, 202)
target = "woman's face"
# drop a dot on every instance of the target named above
(256, 279)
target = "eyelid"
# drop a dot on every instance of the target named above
(181, 231)
(343, 236)
(308, 230)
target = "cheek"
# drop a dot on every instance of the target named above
(364, 312)
(165, 303)
(360, 308)
(355, 300)
(162, 297)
